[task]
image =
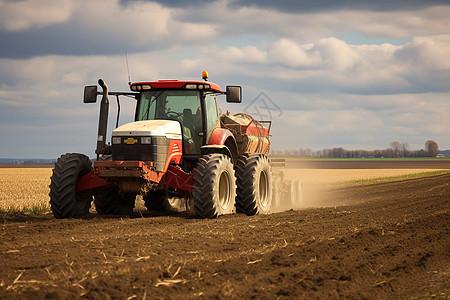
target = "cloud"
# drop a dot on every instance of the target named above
(398, 20)
(425, 62)
(290, 54)
(25, 14)
(330, 64)
(104, 27)
(246, 55)
(336, 5)
(108, 27)
(432, 52)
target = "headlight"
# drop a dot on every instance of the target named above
(146, 140)
(116, 140)
(191, 86)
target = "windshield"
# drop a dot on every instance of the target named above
(168, 105)
(179, 105)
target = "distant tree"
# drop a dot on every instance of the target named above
(308, 152)
(405, 149)
(389, 152)
(326, 153)
(432, 148)
(397, 147)
(337, 153)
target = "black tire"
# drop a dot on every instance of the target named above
(108, 201)
(214, 188)
(254, 192)
(156, 200)
(65, 201)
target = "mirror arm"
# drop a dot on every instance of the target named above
(118, 111)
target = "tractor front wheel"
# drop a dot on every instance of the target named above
(214, 188)
(65, 201)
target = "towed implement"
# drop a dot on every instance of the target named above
(178, 147)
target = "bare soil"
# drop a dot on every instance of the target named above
(380, 241)
(370, 164)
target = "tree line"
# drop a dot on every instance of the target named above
(396, 150)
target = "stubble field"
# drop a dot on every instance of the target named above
(372, 239)
(25, 189)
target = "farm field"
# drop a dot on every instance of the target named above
(25, 188)
(373, 240)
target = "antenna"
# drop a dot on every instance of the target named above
(128, 69)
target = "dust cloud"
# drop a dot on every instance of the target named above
(315, 189)
(296, 189)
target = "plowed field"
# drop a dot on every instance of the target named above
(386, 240)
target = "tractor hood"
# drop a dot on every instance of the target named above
(165, 128)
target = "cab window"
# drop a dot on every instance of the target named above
(212, 118)
(178, 105)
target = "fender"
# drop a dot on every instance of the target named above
(219, 136)
(216, 149)
(90, 181)
(222, 141)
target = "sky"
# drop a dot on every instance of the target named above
(355, 74)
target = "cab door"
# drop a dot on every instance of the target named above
(212, 115)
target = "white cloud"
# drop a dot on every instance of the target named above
(26, 14)
(431, 52)
(248, 54)
(291, 54)
(307, 26)
(337, 54)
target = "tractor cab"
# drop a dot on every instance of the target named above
(173, 120)
(192, 104)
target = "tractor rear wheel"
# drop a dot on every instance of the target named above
(65, 201)
(214, 188)
(254, 193)
(156, 200)
(108, 201)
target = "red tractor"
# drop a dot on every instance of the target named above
(178, 146)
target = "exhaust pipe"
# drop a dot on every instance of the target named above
(103, 119)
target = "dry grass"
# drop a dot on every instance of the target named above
(24, 189)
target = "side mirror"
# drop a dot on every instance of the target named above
(234, 94)
(90, 94)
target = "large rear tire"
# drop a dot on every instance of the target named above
(254, 192)
(65, 201)
(108, 201)
(214, 188)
